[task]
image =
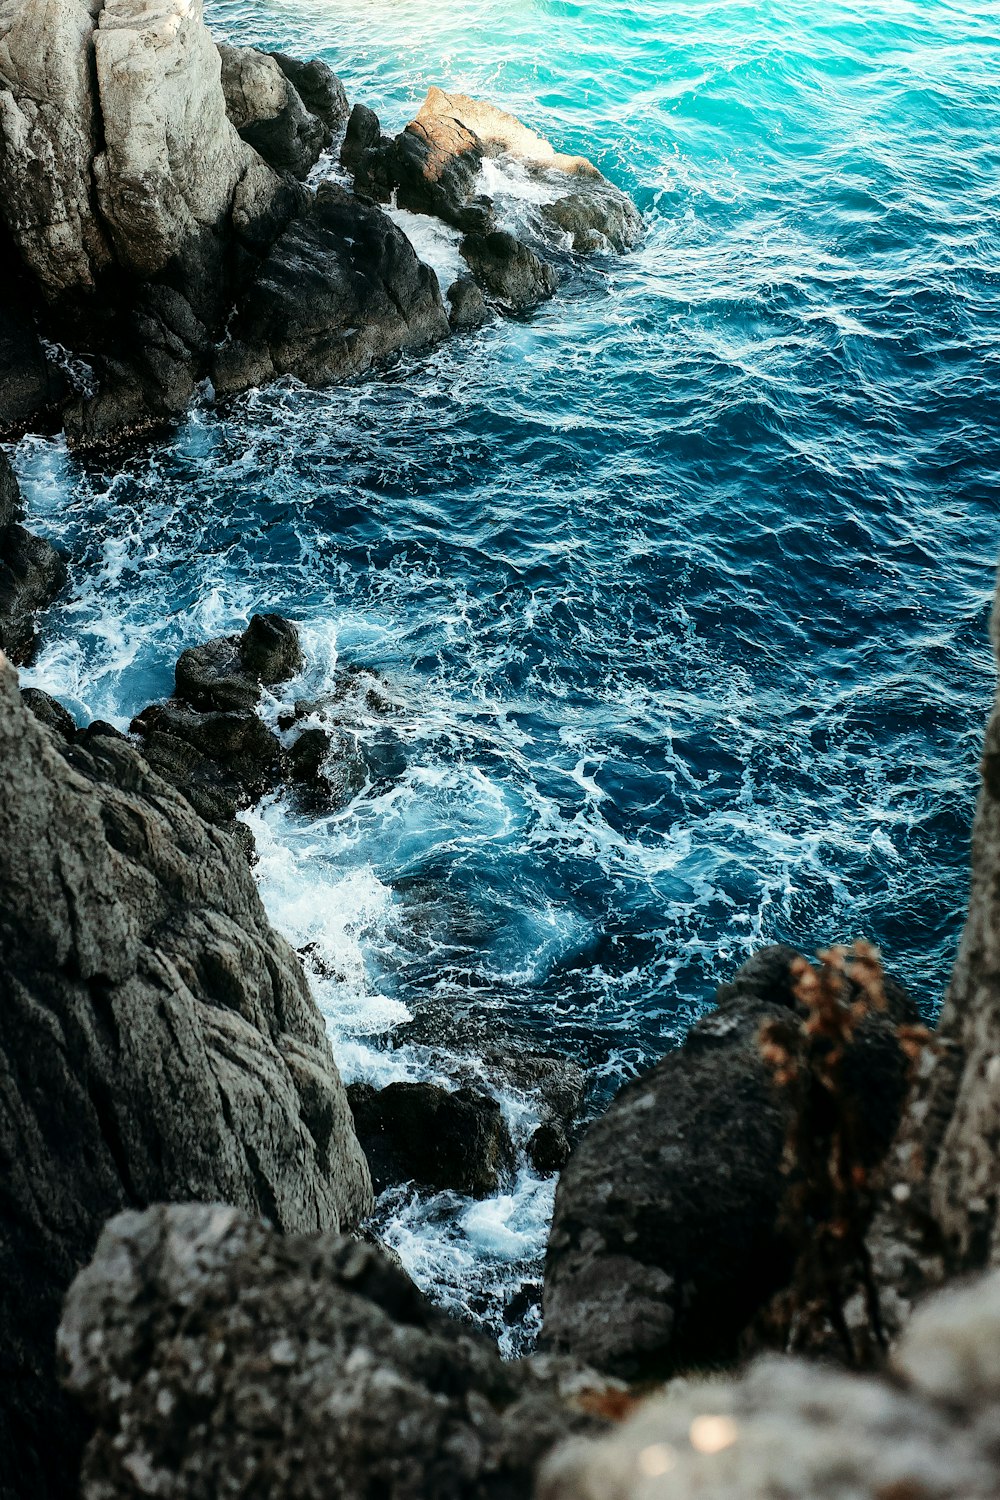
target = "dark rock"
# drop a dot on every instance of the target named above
(307, 756)
(320, 90)
(50, 712)
(267, 108)
(665, 1238)
(341, 290)
(467, 307)
(30, 388)
(227, 673)
(508, 270)
(548, 1149)
(213, 1354)
(422, 1133)
(221, 761)
(32, 572)
(363, 133)
(157, 1041)
(11, 509)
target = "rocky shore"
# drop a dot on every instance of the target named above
(773, 1261)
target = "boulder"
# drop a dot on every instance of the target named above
(228, 672)
(30, 388)
(158, 1041)
(341, 290)
(431, 167)
(499, 134)
(50, 712)
(213, 1355)
(267, 109)
(467, 308)
(508, 270)
(320, 90)
(595, 219)
(418, 1132)
(222, 761)
(666, 1236)
(363, 133)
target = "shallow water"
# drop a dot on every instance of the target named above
(681, 585)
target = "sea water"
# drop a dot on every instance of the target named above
(680, 585)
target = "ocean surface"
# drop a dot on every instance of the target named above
(680, 585)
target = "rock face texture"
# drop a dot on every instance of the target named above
(215, 1355)
(157, 1041)
(666, 1235)
(941, 1215)
(341, 290)
(31, 572)
(267, 109)
(418, 1132)
(791, 1428)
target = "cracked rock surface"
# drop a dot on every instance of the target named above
(157, 1042)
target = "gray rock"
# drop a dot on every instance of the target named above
(665, 1238)
(222, 761)
(157, 1041)
(419, 1132)
(269, 112)
(596, 219)
(228, 672)
(213, 1354)
(508, 270)
(363, 133)
(32, 572)
(341, 290)
(466, 306)
(50, 712)
(320, 90)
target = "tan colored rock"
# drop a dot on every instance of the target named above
(500, 133)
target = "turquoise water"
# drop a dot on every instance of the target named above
(681, 585)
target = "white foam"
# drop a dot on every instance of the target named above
(435, 243)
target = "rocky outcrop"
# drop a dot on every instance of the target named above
(439, 1138)
(157, 1041)
(791, 1428)
(667, 1233)
(270, 113)
(32, 572)
(940, 1215)
(341, 290)
(212, 1353)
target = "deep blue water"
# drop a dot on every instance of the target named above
(681, 585)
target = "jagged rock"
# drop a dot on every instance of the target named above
(221, 760)
(595, 220)
(466, 307)
(508, 270)
(320, 90)
(213, 1354)
(50, 712)
(228, 672)
(431, 167)
(341, 290)
(548, 1148)
(418, 1132)
(30, 388)
(499, 133)
(363, 133)
(32, 572)
(268, 110)
(157, 1041)
(941, 1214)
(665, 1237)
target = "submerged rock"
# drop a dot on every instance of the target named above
(157, 1041)
(665, 1237)
(213, 1354)
(341, 290)
(419, 1132)
(229, 672)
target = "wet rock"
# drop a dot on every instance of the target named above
(596, 220)
(431, 167)
(509, 271)
(363, 133)
(341, 290)
(157, 1041)
(228, 672)
(32, 572)
(320, 90)
(501, 134)
(268, 110)
(467, 308)
(548, 1148)
(422, 1133)
(30, 388)
(221, 760)
(211, 1353)
(665, 1238)
(50, 712)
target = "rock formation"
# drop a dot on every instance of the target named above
(157, 1041)
(214, 1354)
(667, 1235)
(419, 1132)
(152, 195)
(32, 572)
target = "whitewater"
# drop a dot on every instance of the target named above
(680, 586)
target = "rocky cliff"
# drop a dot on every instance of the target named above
(157, 1041)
